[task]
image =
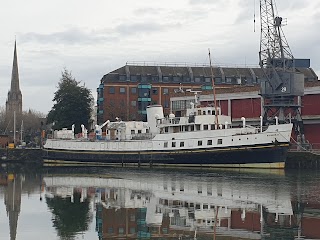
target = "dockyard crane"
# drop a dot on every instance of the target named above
(282, 85)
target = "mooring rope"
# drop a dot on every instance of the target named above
(299, 144)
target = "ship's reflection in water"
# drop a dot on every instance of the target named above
(167, 204)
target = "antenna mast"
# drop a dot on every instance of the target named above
(214, 93)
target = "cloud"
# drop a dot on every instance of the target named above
(144, 27)
(77, 36)
(207, 2)
(69, 36)
(148, 11)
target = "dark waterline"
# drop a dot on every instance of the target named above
(116, 203)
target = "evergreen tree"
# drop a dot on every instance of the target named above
(72, 104)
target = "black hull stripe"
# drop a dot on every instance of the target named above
(184, 151)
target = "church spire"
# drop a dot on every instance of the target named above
(15, 72)
(14, 101)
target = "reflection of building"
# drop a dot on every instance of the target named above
(13, 186)
(167, 205)
(12, 201)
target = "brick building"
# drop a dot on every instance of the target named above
(127, 91)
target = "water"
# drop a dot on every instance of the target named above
(115, 203)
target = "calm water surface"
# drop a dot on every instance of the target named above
(112, 203)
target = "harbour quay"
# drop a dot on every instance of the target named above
(21, 155)
(303, 159)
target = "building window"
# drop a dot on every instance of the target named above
(110, 230)
(133, 131)
(209, 142)
(132, 230)
(166, 91)
(197, 79)
(144, 79)
(111, 90)
(132, 218)
(186, 79)
(144, 93)
(165, 144)
(165, 79)
(121, 230)
(219, 141)
(155, 79)
(207, 80)
(122, 90)
(166, 104)
(229, 80)
(133, 103)
(199, 143)
(173, 144)
(217, 80)
(134, 78)
(122, 78)
(181, 144)
(133, 90)
(154, 91)
(176, 79)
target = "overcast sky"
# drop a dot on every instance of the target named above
(92, 38)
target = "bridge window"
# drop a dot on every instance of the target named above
(209, 142)
(219, 141)
(199, 143)
(173, 144)
(165, 144)
(181, 144)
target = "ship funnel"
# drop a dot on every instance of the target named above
(154, 112)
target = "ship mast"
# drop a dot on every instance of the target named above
(214, 93)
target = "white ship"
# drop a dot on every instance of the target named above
(202, 138)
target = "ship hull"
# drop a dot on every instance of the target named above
(257, 156)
